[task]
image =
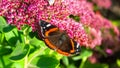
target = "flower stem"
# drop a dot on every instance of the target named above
(26, 42)
(36, 53)
(2, 38)
(25, 62)
(83, 62)
(3, 63)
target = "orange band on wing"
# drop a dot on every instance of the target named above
(47, 41)
(71, 51)
(53, 47)
(64, 53)
(72, 43)
(49, 44)
(49, 31)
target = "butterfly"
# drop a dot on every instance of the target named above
(57, 39)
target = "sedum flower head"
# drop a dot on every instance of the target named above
(30, 12)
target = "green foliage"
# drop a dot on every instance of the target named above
(118, 62)
(23, 49)
(47, 62)
(85, 53)
(97, 65)
(116, 22)
(19, 52)
(2, 23)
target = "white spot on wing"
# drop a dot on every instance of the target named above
(42, 31)
(48, 25)
(77, 50)
(78, 45)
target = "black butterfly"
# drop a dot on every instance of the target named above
(57, 40)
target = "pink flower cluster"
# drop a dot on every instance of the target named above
(30, 12)
(21, 12)
(103, 3)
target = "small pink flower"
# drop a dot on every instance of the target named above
(109, 51)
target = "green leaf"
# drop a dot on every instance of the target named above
(118, 62)
(116, 22)
(65, 60)
(1, 37)
(19, 52)
(5, 62)
(19, 64)
(4, 50)
(2, 23)
(97, 65)
(4, 27)
(13, 36)
(37, 43)
(85, 53)
(33, 34)
(8, 28)
(2, 20)
(47, 62)
(52, 52)
(71, 66)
